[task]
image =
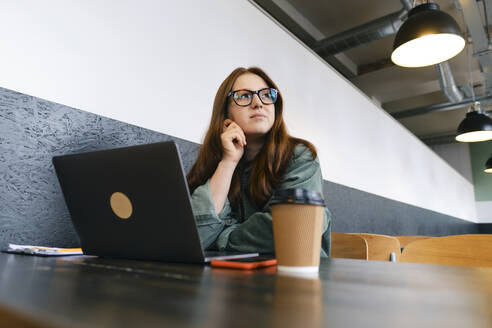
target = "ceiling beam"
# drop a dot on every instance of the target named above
(285, 21)
(374, 66)
(299, 18)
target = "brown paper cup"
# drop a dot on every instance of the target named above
(297, 230)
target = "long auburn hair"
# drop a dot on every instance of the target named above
(267, 168)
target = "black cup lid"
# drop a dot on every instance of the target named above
(297, 196)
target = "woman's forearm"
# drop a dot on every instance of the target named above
(220, 183)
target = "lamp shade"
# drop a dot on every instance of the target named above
(488, 165)
(428, 37)
(474, 128)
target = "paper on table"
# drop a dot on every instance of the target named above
(43, 251)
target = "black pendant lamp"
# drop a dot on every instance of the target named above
(488, 165)
(428, 37)
(475, 127)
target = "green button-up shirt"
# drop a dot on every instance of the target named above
(223, 231)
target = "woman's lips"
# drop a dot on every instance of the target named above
(258, 116)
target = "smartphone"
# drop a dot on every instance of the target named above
(246, 263)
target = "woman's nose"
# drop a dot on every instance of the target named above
(256, 102)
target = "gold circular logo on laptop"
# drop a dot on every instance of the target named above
(121, 205)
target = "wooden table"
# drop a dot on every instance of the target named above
(97, 292)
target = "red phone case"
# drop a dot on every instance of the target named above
(242, 265)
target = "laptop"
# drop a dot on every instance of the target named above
(133, 203)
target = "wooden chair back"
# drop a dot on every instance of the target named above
(405, 240)
(348, 246)
(461, 250)
(380, 247)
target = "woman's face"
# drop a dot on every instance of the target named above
(257, 118)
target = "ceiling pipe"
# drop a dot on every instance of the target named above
(439, 107)
(371, 31)
(481, 51)
(448, 85)
(440, 140)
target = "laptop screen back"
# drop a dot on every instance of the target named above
(131, 202)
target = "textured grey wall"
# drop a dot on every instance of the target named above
(32, 208)
(357, 211)
(32, 131)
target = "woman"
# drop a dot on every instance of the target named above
(247, 155)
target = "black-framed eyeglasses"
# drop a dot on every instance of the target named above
(244, 97)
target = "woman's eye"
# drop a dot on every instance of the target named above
(244, 96)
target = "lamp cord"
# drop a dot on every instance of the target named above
(486, 20)
(471, 75)
(468, 56)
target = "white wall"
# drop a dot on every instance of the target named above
(484, 211)
(457, 155)
(157, 64)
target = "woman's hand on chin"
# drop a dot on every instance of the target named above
(233, 142)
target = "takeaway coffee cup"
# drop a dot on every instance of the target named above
(297, 228)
